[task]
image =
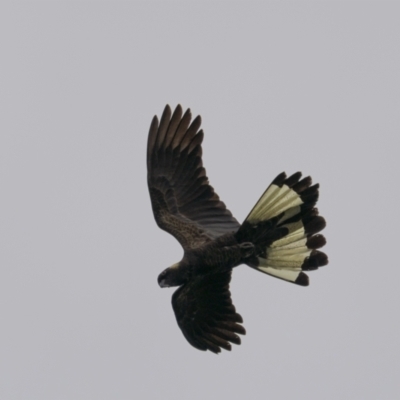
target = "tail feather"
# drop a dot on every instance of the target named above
(284, 226)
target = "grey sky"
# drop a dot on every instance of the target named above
(281, 86)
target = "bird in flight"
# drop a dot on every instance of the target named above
(279, 237)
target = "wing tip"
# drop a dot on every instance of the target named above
(197, 121)
(154, 121)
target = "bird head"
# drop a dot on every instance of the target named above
(172, 276)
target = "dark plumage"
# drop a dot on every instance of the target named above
(279, 236)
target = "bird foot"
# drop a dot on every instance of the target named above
(247, 249)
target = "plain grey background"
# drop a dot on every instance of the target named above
(281, 86)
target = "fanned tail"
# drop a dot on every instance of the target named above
(283, 226)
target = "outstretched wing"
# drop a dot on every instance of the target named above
(205, 313)
(184, 204)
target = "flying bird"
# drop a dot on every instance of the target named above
(279, 237)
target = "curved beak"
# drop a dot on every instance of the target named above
(162, 283)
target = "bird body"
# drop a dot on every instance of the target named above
(220, 255)
(279, 237)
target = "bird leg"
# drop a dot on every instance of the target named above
(246, 249)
